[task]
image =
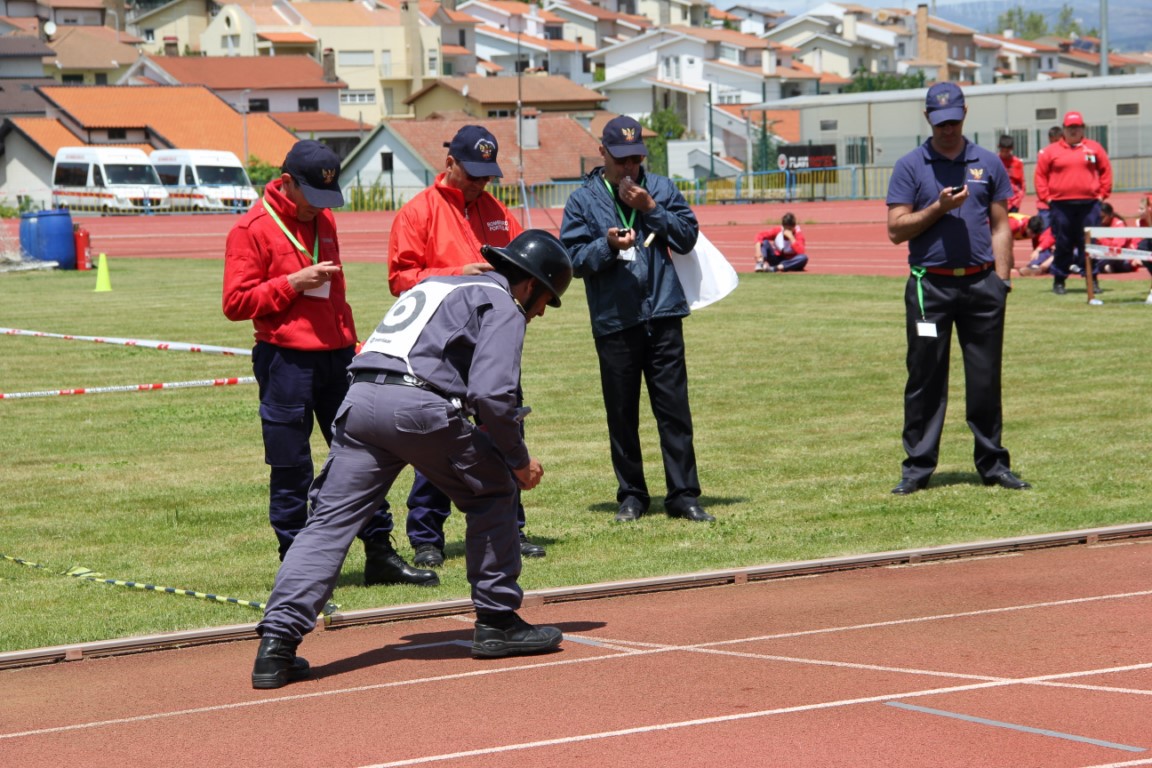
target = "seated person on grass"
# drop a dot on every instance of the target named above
(781, 248)
(1109, 218)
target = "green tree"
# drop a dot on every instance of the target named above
(863, 82)
(1067, 25)
(1025, 25)
(666, 125)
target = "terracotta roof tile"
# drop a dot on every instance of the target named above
(536, 90)
(92, 48)
(186, 117)
(539, 42)
(46, 133)
(566, 152)
(303, 122)
(223, 73)
(345, 14)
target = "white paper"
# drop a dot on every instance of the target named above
(705, 274)
(320, 292)
(927, 330)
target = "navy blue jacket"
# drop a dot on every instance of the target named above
(623, 294)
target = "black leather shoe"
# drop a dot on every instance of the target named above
(383, 565)
(1058, 286)
(428, 556)
(277, 664)
(693, 512)
(518, 639)
(1009, 481)
(908, 486)
(528, 549)
(631, 510)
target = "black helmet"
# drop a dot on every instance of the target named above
(539, 254)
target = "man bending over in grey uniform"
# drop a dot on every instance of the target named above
(448, 349)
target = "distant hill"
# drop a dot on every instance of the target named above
(1129, 21)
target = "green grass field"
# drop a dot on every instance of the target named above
(796, 386)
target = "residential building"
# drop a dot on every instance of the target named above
(172, 27)
(488, 97)
(596, 26)
(754, 20)
(522, 38)
(831, 38)
(1018, 60)
(89, 55)
(403, 157)
(384, 54)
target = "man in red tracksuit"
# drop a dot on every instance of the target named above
(282, 271)
(1015, 168)
(1073, 176)
(440, 232)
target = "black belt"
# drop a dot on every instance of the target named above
(397, 379)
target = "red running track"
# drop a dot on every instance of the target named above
(1036, 659)
(844, 237)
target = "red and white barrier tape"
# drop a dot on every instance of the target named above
(174, 346)
(132, 388)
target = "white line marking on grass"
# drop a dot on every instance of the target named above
(1014, 726)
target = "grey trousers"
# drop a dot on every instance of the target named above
(380, 429)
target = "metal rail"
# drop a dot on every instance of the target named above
(78, 651)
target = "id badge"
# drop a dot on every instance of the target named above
(926, 330)
(321, 292)
(628, 254)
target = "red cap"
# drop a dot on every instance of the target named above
(1073, 118)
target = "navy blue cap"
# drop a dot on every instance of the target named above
(945, 101)
(475, 148)
(623, 137)
(316, 170)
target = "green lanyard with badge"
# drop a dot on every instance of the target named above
(923, 327)
(629, 254)
(324, 290)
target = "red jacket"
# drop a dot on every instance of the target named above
(257, 261)
(1015, 168)
(798, 245)
(1082, 172)
(434, 233)
(1117, 242)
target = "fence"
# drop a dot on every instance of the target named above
(850, 182)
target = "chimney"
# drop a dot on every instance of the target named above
(922, 31)
(171, 45)
(849, 33)
(768, 65)
(529, 128)
(328, 61)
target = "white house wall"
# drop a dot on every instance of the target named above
(25, 171)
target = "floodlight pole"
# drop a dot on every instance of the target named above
(519, 107)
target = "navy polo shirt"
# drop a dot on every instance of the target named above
(961, 237)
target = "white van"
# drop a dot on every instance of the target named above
(204, 180)
(106, 179)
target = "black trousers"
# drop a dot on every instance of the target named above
(654, 351)
(975, 306)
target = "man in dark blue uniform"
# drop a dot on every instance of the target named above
(449, 349)
(948, 200)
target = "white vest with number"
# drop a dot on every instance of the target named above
(401, 327)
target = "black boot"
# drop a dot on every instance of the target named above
(500, 634)
(277, 664)
(383, 565)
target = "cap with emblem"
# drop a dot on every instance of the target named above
(316, 170)
(944, 103)
(623, 137)
(475, 148)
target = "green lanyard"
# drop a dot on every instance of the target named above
(626, 222)
(295, 242)
(918, 273)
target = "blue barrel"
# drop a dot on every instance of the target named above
(29, 244)
(57, 241)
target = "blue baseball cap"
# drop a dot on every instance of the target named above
(945, 101)
(475, 148)
(316, 170)
(623, 137)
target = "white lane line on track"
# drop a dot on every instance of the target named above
(1015, 727)
(884, 698)
(640, 649)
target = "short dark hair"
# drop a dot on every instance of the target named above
(788, 220)
(1006, 142)
(1055, 132)
(1107, 209)
(1035, 225)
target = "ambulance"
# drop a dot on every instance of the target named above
(200, 180)
(106, 179)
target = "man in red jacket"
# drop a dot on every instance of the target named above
(1073, 176)
(440, 232)
(1015, 168)
(282, 271)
